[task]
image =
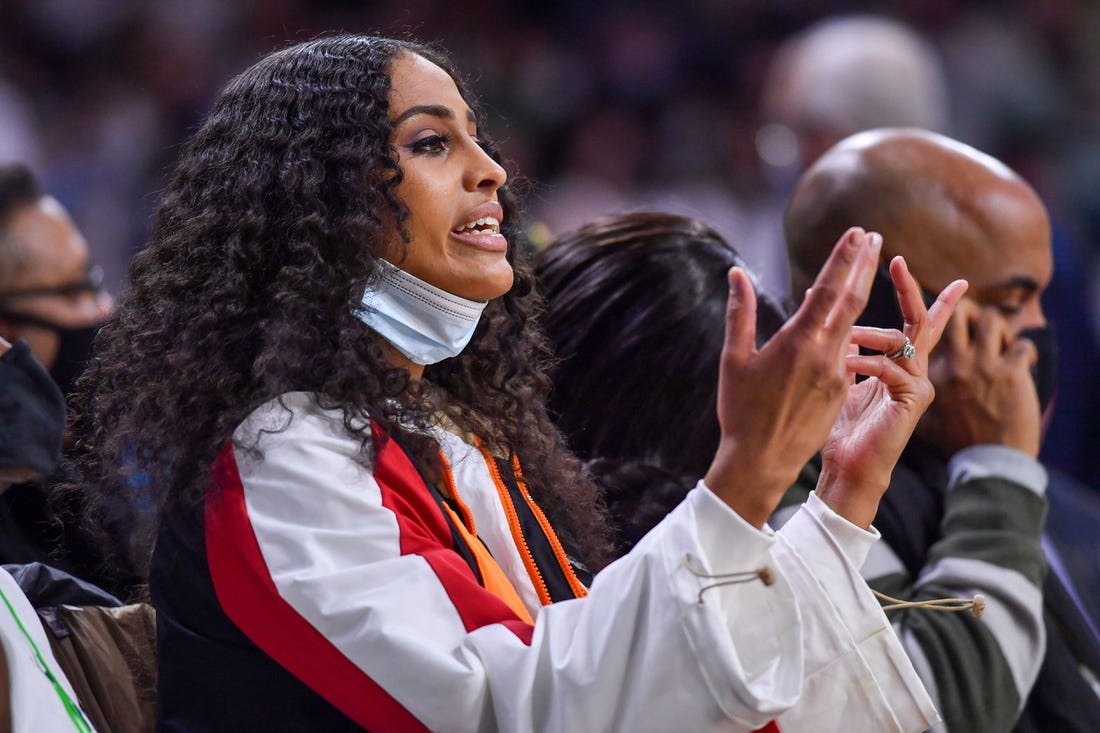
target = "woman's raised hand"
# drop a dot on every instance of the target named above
(881, 412)
(776, 405)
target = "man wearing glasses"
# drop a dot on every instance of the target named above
(51, 299)
(50, 295)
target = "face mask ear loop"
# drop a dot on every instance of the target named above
(764, 574)
(975, 605)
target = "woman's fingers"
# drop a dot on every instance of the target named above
(877, 365)
(910, 300)
(840, 291)
(940, 312)
(740, 317)
(923, 326)
(857, 288)
(886, 340)
(889, 341)
(827, 286)
(899, 382)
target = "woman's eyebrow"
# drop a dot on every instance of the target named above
(433, 110)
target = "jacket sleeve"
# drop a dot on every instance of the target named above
(389, 624)
(857, 675)
(981, 671)
(978, 671)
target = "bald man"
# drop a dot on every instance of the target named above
(965, 510)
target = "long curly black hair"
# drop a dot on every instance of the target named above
(269, 229)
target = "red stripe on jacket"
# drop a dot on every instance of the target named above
(251, 600)
(429, 536)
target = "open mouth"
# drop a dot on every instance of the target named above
(484, 225)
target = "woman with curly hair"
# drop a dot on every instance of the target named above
(326, 376)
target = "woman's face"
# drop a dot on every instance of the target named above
(450, 186)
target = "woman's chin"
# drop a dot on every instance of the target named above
(493, 286)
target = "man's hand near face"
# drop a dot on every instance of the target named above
(985, 394)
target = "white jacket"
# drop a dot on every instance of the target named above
(368, 588)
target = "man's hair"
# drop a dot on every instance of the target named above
(18, 188)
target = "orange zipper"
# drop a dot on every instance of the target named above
(559, 552)
(464, 511)
(517, 532)
(513, 525)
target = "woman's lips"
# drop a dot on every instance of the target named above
(489, 240)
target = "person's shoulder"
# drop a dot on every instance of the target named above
(291, 415)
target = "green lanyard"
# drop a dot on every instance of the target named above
(71, 707)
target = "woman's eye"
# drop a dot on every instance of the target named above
(429, 144)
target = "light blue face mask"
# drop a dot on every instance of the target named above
(421, 321)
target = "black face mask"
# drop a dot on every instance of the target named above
(1045, 369)
(74, 349)
(32, 413)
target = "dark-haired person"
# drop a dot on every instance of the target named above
(966, 505)
(50, 293)
(631, 303)
(327, 368)
(50, 299)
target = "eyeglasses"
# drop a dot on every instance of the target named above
(92, 282)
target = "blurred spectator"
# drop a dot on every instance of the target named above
(50, 293)
(844, 75)
(32, 416)
(837, 77)
(35, 694)
(51, 300)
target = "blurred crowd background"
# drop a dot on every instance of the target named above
(602, 105)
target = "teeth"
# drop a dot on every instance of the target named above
(490, 222)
